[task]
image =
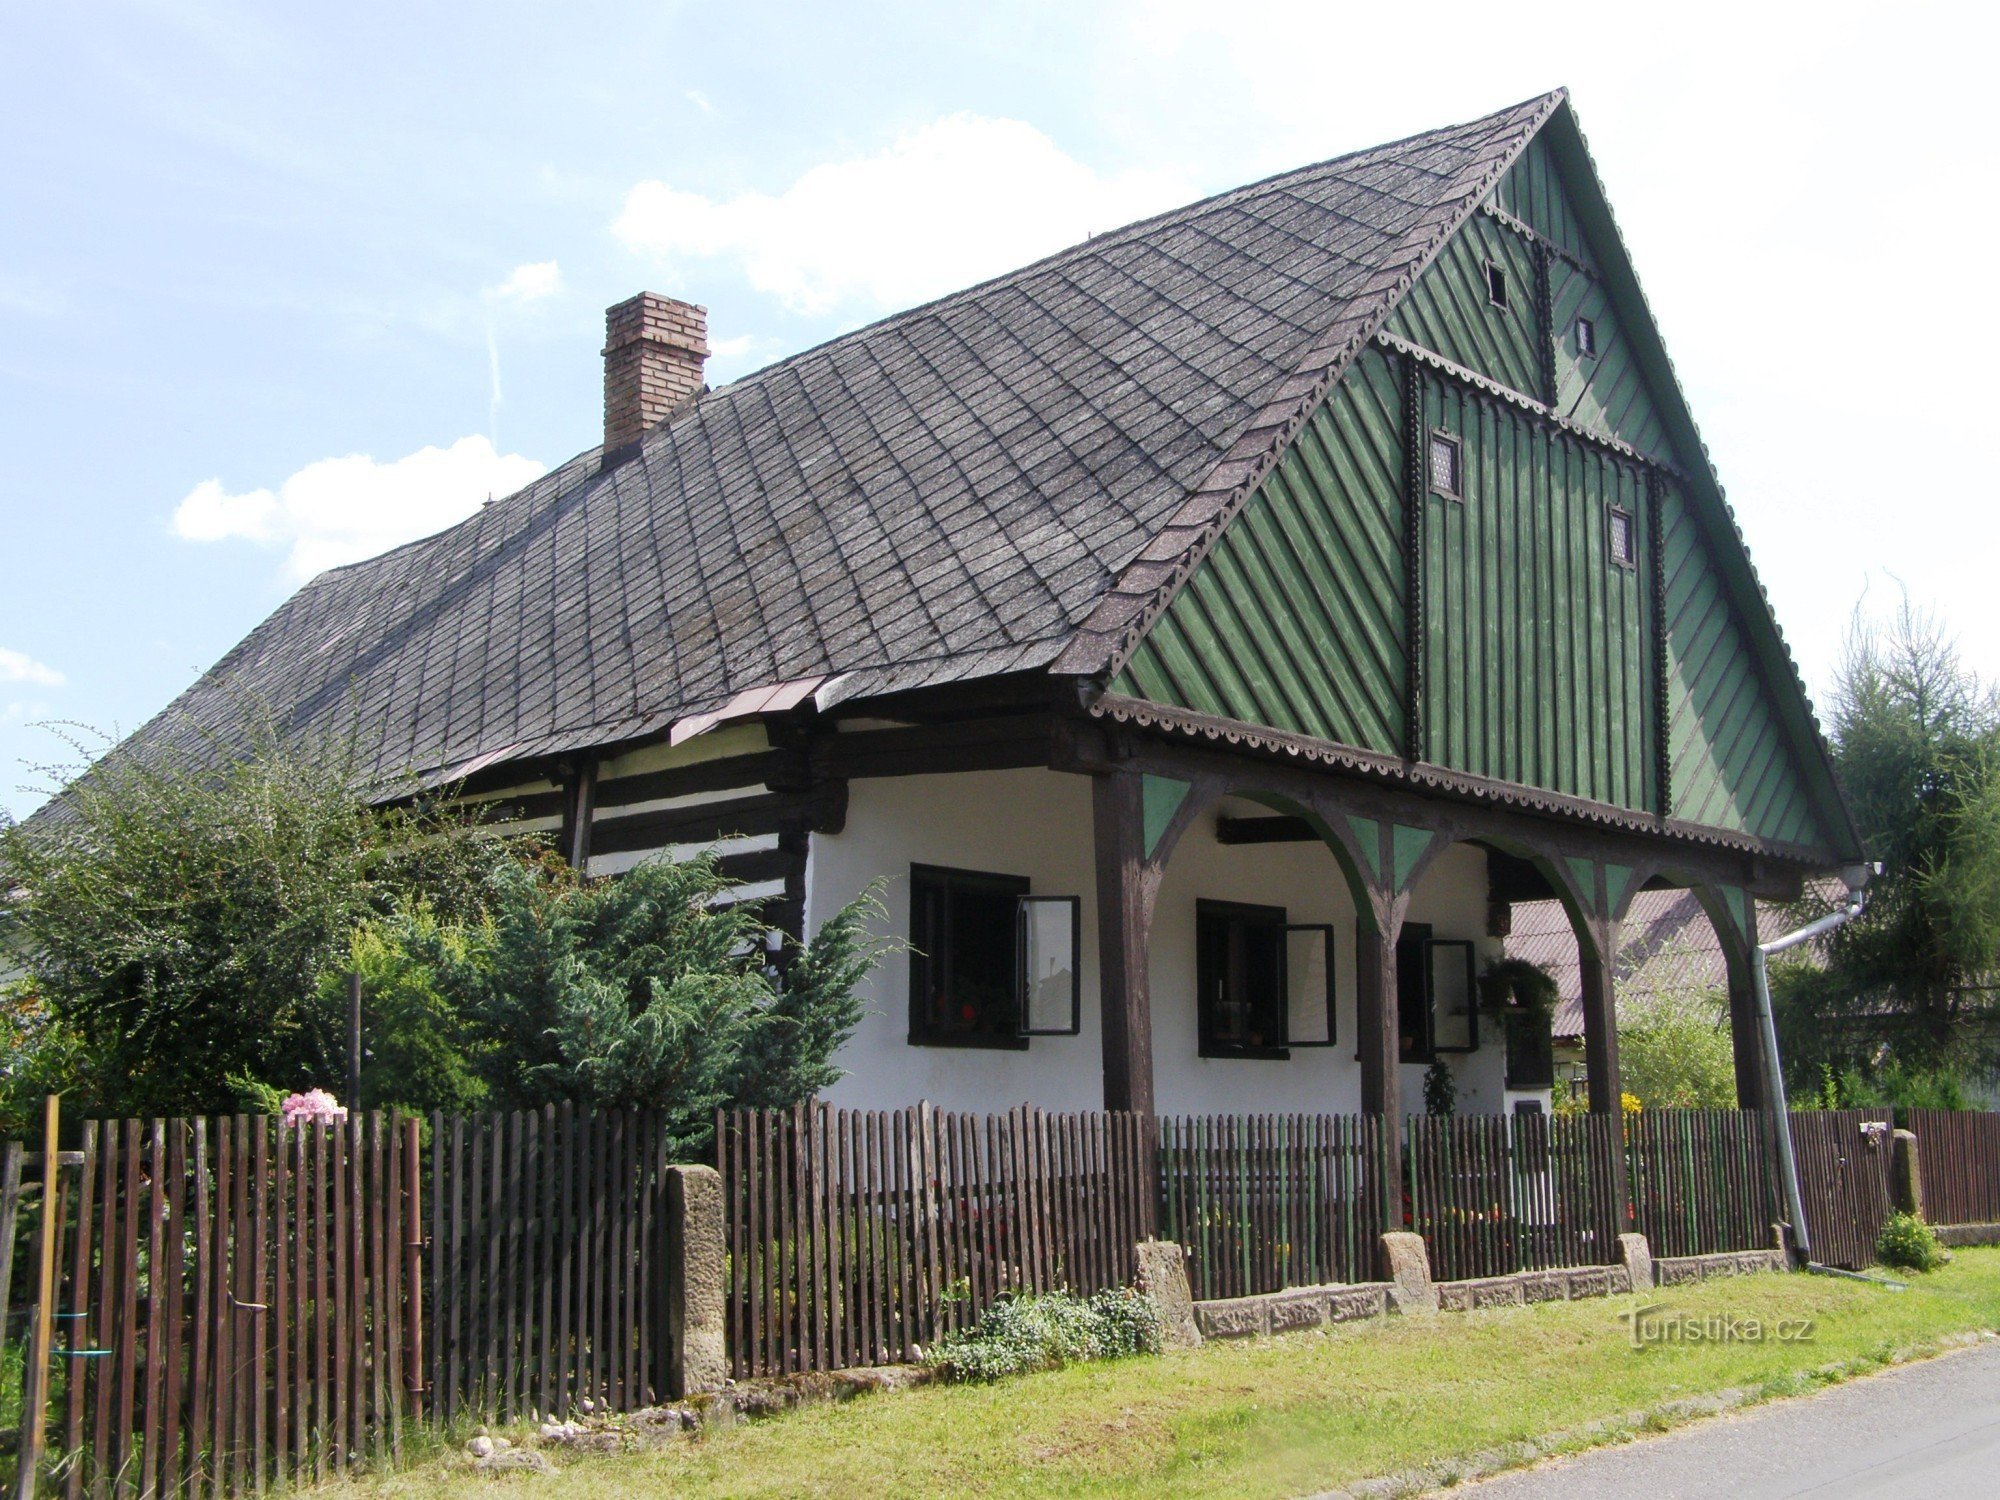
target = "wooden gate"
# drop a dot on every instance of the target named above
(548, 1265)
(1843, 1157)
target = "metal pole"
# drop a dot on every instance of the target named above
(41, 1341)
(1781, 1114)
(1774, 1069)
(354, 1040)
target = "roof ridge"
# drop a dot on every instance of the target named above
(1094, 243)
(1150, 582)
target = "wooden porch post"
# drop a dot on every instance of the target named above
(1597, 955)
(1745, 1035)
(1378, 1027)
(1124, 926)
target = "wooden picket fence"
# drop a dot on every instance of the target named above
(855, 1237)
(547, 1282)
(1264, 1202)
(1843, 1181)
(240, 1304)
(234, 1306)
(1702, 1180)
(1958, 1164)
(1492, 1194)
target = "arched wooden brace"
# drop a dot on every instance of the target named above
(1138, 820)
(1733, 915)
(1596, 897)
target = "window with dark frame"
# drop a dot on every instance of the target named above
(965, 958)
(1586, 338)
(1496, 284)
(1622, 540)
(1263, 984)
(1051, 940)
(1446, 465)
(1453, 995)
(1436, 995)
(1413, 995)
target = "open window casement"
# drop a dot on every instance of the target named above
(1051, 931)
(1454, 996)
(1308, 984)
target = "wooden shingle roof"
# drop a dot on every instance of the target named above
(969, 488)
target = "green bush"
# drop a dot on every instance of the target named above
(1029, 1332)
(1907, 1244)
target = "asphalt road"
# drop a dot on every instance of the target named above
(1929, 1430)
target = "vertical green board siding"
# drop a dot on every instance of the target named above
(1295, 619)
(1732, 760)
(1532, 192)
(1449, 311)
(1605, 392)
(1536, 651)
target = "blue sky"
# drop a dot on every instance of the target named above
(281, 286)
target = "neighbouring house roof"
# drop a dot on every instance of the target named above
(946, 494)
(1667, 946)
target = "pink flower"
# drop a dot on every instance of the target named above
(311, 1106)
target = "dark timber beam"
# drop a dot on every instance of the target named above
(1745, 1034)
(1271, 830)
(1461, 819)
(1124, 929)
(1597, 956)
(1378, 1026)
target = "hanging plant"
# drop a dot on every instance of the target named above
(1515, 984)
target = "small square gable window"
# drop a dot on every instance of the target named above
(1586, 338)
(1624, 545)
(1445, 464)
(1496, 284)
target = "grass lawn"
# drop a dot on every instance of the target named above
(1286, 1416)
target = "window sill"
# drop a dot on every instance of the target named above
(1255, 1054)
(973, 1043)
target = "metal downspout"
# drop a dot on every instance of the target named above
(1774, 1070)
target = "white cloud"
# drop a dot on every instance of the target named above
(339, 510)
(960, 199)
(529, 283)
(18, 666)
(700, 101)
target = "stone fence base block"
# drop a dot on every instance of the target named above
(1959, 1236)
(697, 1346)
(1566, 1284)
(1637, 1256)
(1679, 1270)
(1407, 1261)
(1290, 1310)
(1163, 1281)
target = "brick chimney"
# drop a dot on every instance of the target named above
(654, 348)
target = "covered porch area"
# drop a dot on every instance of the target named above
(1378, 877)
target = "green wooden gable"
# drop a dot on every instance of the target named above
(1578, 617)
(1296, 618)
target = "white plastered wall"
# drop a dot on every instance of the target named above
(1030, 822)
(1037, 823)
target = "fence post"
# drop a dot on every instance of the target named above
(35, 1374)
(413, 1270)
(697, 1353)
(1906, 1183)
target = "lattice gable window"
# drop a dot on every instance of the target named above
(1446, 465)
